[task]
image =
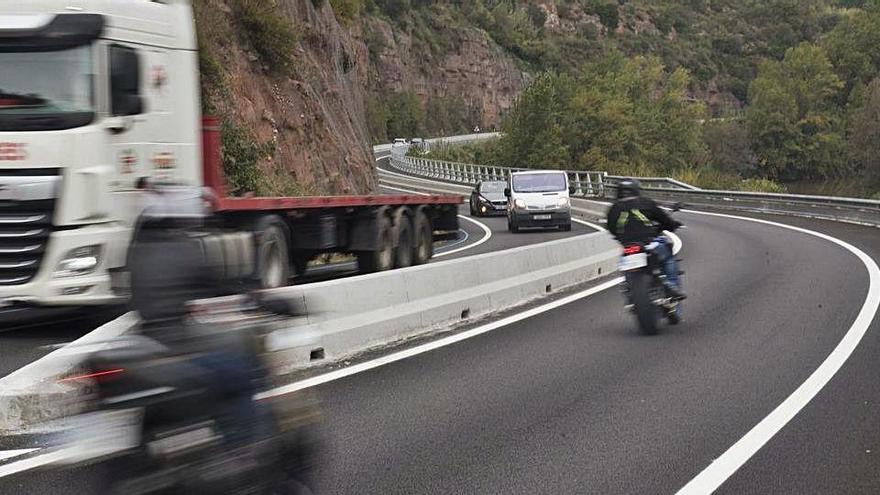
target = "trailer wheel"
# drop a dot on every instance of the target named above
(424, 239)
(300, 265)
(273, 257)
(403, 234)
(381, 258)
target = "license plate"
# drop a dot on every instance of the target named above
(633, 262)
(103, 433)
(541, 217)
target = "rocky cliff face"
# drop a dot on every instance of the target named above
(305, 126)
(469, 70)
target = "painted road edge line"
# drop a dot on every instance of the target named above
(430, 346)
(487, 232)
(722, 468)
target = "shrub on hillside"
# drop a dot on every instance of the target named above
(268, 32)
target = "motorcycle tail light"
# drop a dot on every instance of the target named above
(90, 376)
(634, 249)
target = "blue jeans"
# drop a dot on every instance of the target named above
(233, 376)
(670, 264)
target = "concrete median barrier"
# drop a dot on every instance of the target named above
(350, 316)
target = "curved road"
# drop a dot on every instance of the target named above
(573, 400)
(21, 346)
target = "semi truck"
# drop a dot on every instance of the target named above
(99, 99)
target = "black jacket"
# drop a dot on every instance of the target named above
(638, 219)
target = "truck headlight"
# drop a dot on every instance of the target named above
(563, 203)
(79, 261)
(520, 203)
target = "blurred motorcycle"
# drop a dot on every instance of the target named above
(172, 407)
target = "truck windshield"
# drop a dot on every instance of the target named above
(46, 90)
(534, 183)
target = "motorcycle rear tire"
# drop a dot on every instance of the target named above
(646, 312)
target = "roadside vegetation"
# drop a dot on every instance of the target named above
(768, 95)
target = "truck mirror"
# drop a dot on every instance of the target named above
(125, 81)
(507, 191)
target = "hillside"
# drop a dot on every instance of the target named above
(305, 85)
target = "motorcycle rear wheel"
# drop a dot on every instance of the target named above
(646, 312)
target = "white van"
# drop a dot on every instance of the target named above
(538, 199)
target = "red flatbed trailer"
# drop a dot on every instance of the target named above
(383, 231)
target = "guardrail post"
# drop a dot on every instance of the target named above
(590, 191)
(577, 180)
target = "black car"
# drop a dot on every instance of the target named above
(488, 198)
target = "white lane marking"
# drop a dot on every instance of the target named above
(430, 346)
(35, 462)
(598, 227)
(487, 232)
(740, 452)
(420, 178)
(9, 454)
(434, 187)
(50, 457)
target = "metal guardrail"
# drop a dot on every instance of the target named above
(850, 210)
(582, 183)
(601, 185)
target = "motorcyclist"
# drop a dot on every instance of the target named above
(636, 219)
(168, 270)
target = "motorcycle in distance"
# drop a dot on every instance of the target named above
(646, 283)
(181, 402)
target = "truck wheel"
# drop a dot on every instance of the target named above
(565, 227)
(382, 258)
(273, 257)
(403, 233)
(424, 239)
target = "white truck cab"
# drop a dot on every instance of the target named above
(95, 97)
(539, 199)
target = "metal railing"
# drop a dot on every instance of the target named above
(601, 185)
(581, 182)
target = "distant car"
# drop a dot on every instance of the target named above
(400, 142)
(488, 198)
(420, 144)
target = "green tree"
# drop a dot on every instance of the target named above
(854, 45)
(865, 142)
(533, 131)
(793, 122)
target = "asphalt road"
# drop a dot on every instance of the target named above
(25, 344)
(574, 400)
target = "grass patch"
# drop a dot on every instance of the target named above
(268, 32)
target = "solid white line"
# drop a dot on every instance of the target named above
(740, 452)
(430, 346)
(9, 454)
(33, 462)
(487, 232)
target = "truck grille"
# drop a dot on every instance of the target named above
(24, 231)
